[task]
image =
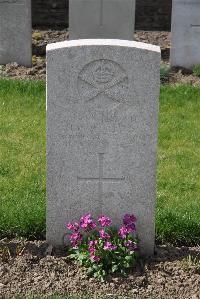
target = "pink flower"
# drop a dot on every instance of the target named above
(129, 222)
(92, 249)
(131, 245)
(123, 232)
(75, 239)
(76, 236)
(86, 222)
(103, 234)
(92, 243)
(91, 246)
(129, 219)
(104, 221)
(131, 227)
(95, 258)
(109, 246)
(73, 226)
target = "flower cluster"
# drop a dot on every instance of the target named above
(104, 221)
(98, 246)
(87, 222)
(76, 238)
(129, 226)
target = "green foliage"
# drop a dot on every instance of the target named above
(164, 73)
(196, 70)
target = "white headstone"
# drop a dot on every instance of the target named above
(102, 108)
(185, 44)
(15, 32)
(101, 19)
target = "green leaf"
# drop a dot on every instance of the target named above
(114, 268)
(128, 258)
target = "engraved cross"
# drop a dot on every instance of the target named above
(100, 178)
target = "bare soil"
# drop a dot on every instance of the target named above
(28, 267)
(41, 38)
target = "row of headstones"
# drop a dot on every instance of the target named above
(99, 19)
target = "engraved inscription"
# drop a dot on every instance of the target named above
(103, 77)
(193, 26)
(100, 178)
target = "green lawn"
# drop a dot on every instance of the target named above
(22, 158)
(178, 177)
(22, 162)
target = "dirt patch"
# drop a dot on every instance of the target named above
(34, 268)
(43, 37)
(158, 38)
(178, 76)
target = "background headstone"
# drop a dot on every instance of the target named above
(102, 106)
(185, 48)
(15, 32)
(101, 19)
(150, 14)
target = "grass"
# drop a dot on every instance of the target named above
(164, 73)
(22, 168)
(196, 70)
(22, 158)
(178, 184)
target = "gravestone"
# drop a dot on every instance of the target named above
(15, 32)
(101, 19)
(185, 44)
(102, 106)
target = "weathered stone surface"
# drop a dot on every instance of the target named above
(101, 19)
(102, 105)
(185, 50)
(15, 32)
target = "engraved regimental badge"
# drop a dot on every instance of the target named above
(103, 77)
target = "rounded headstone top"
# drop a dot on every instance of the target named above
(103, 42)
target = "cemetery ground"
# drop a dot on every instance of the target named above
(28, 267)
(27, 264)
